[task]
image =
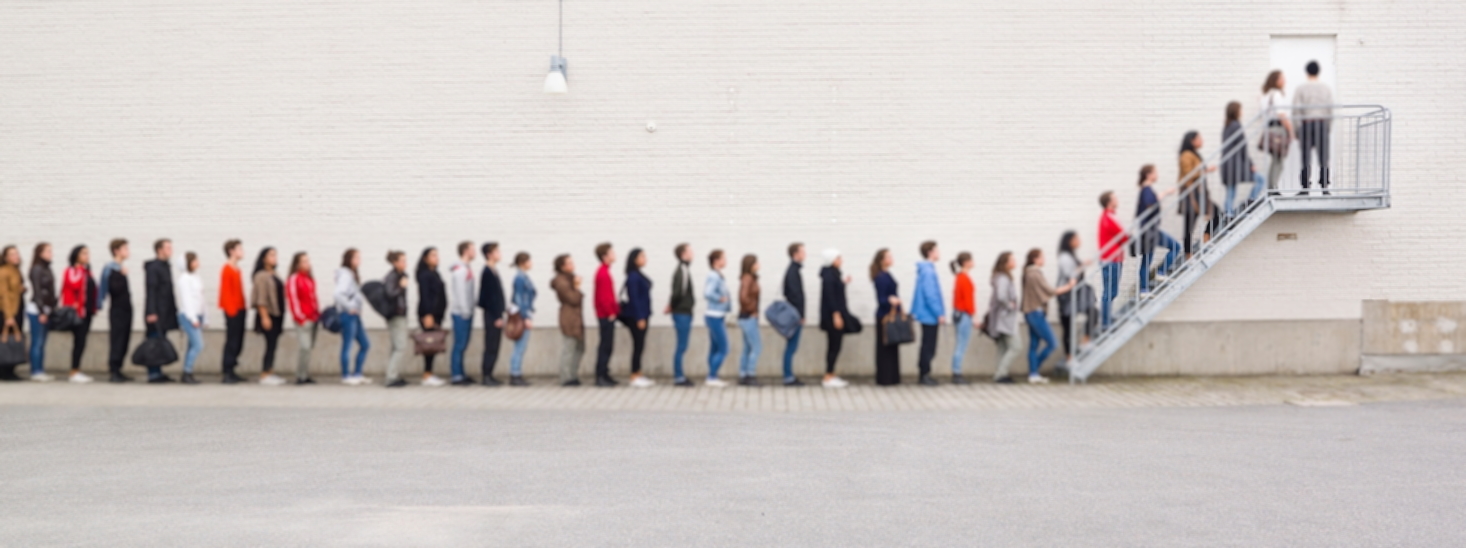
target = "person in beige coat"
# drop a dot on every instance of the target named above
(572, 319)
(1036, 296)
(268, 299)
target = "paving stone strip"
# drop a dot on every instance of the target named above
(1303, 391)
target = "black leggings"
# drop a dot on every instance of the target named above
(1091, 321)
(605, 347)
(79, 342)
(118, 339)
(272, 340)
(233, 341)
(492, 337)
(832, 349)
(638, 344)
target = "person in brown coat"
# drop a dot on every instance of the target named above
(12, 294)
(1036, 295)
(748, 294)
(268, 299)
(572, 319)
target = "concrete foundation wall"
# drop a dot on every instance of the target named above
(1176, 348)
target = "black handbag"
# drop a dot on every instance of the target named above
(63, 318)
(897, 328)
(852, 324)
(12, 348)
(154, 352)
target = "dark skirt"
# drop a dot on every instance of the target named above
(888, 363)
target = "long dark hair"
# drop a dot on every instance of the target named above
(346, 258)
(631, 260)
(422, 260)
(1272, 82)
(1001, 266)
(75, 255)
(295, 263)
(260, 260)
(36, 255)
(1186, 143)
(746, 269)
(878, 264)
(1234, 113)
(1065, 245)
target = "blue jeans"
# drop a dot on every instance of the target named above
(1039, 332)
(1111, 272)
(516, 360)
(752, 346)
(964, 335)
(195, 341)
(38, 344)
(683, 324)
(789, 348)
(1259, 183)
(717, 344)
(1173, 250)
(462, 330)
(352, 330)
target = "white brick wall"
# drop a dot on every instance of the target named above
(985, 125)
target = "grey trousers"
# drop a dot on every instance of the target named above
(305, 335)
(571, 351)
(1008, 352)
(397, 328)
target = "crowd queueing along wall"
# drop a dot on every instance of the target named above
(386, 124)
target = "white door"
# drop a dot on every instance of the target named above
(1291, 54)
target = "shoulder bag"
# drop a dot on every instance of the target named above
(12, 348)
(514, 326)
(897, 328)
(429, 342)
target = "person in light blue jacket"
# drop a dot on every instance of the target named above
(715, 291)
(928, 309)
(523, 302)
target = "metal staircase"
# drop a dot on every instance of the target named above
(1360, 167)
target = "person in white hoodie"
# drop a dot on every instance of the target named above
(461, 300)
(349, 302)
(190, 293)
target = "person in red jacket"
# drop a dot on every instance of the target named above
(1112, 240)
(607, 309)
(79, 291)
(964, 311)
(231, 301)
(300, 297)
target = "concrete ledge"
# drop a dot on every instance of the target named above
(1174, 348)
(1414, 363)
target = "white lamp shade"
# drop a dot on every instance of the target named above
(555, 82)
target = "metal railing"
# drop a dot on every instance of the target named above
(1350, 142)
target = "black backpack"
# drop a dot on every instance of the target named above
(376, 295)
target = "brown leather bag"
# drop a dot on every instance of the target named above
(514, 326)
(428, 343)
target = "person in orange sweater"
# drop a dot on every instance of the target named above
(231, 301)
(964, 309)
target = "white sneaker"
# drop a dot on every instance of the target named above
(714, 382)
(1037, 379)
(79, 378)
(363, 379)
(351, 381)
(272, 380)
(642, 382)
(42, 377)
(834, 382)
(432, 380)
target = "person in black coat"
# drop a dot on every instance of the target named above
(491, 299)
(888, 356)
(835, 318)
(794, 294)
(432, 305)
(119, 315)
(160, 311)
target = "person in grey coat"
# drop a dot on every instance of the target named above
(1002, 318)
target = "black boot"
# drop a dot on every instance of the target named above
(927, 380)
(605, 381)
(491, 381)
(118, 377)
(188, 379)
(7, 374)
(518, 381)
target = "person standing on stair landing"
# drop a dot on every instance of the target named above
(1311, 107)
(1148, 224)
(927, 309)
(1237, 165)
(1274, 104)
(607, 310)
